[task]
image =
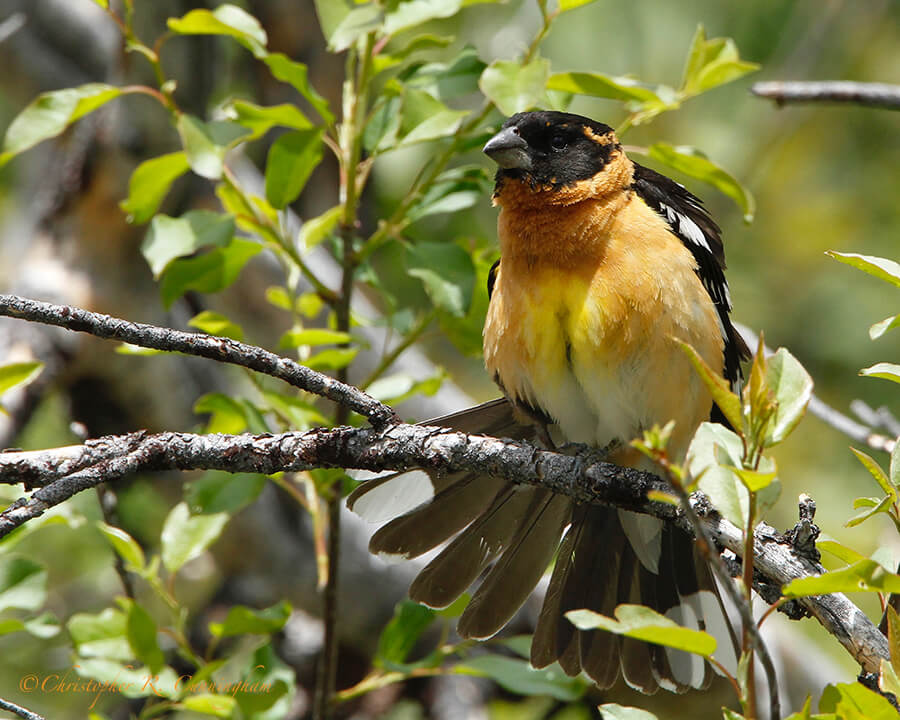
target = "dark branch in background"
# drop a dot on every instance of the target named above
(877, 95)
(207, 346)
(19, 710)
(402, 447)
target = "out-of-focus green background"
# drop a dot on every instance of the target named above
(824, 177)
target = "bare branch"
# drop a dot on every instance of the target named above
(208, 346)
(401, 447)
(879, 95)
(24, 713)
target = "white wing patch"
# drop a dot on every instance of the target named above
(687, 228)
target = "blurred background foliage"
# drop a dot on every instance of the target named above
(823, 178)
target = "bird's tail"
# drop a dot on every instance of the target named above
(509, 534)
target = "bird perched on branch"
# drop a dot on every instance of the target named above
(604, 265)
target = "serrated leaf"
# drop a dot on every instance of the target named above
(729, 403)
(125, 546)
(215, 323)
(611, 711)
(141, 631)
(693, 163)
(243, 620)
(226, 19)
(208, 273)
(222, 492)
(400, 635)
(296, 75)
(876, 472)
(313, 336)
(51, 113)
(23, 583)
(149, 184)
(169, 238)
(260, 119)
(290, 162)
(447, 274)
(185, 536)
(862, 576)
(18, 373)
(886, 371)
(520, 678)
(642, 623)
(792, 388)
(205, 144)
(315, 230)
(514, 87)
(882, 268)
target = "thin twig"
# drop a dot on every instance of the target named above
(208, 346)
(24, 713)
(878, 95)
(404, 447)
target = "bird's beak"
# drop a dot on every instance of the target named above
(508, 150)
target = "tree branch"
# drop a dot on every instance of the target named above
(207, 346)
(878, 95)
(402, 447)
(24, 713)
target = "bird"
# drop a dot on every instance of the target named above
(604, 266)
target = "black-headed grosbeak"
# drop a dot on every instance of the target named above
(604, 264)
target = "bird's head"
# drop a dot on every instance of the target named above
(554, 151)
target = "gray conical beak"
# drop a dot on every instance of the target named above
(509, 150)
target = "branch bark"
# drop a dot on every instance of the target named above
(581, 476)
(878, 95)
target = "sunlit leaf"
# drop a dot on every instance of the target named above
(315, 230)
(290, 162)
(228, 415)
(884, 370)
(642, 623)
(104, 634)
(881, 507)
(693, 163)
(754, 480)
(242, 620)
(169, 238)
(792, 388)
(45, 625)
(18, 373)
(862, 576)
(208, 273)
(215, 323)
(227, 20)
(51, 113)
(126, 547)
(566, 5)
(149, 184)
(205, 144)
(893, 626)
(611, 711)
(840, 551)
(604, 86)
(444, 80)
(712, 63)
(222, 492)
(220, 706)
(185, 536)
(23, 583)
(409, 13)
(296, 74)
(400, 635)
(514, 87)
(876, 472)
(333, 359)
(729, 403)
(260, 119)
(360, 20)
(881, 327)
(313, 336)
(882, 268)
(854, 701)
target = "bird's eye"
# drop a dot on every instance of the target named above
(558, 142)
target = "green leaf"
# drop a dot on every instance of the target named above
(360, 20)
(296, 74)
(711, 63)
(887, 678)
(754, 480)
(51, 113)
(299, 414)
(141, 630)
(882, 268)
(103, 3)
(729, 403)
(290, 162)
(402, 632)
(222, 492)
(454, 190)
(517, 676)
(611, 711)
(882, 507)
(853, 701)
(23, 583)
(693, 163)
(445, 80)
(228, 415)
(792, 388)
(18, 373)
(862, 576)
(840, 551)
(642, 623)
(514, 87)
(876, 472)
(424, 118)
(447, 274)
(126, 547)
(625, 89)
(886, 371)
(221, 706)
(127, 679)
(205, 144)
(208, 273)
(149, 184)
(880, 328)
(397, 388)
(566, 5)
(215, 323)
(313, 336)
(315, 230)
(332, 359)
(894, 469)
(101, 635)
(242, 620)
(169, 238)
(260, 119)
(409, 13)
(265, 668)
(227, 20)
(893, 626)
(185, 536)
